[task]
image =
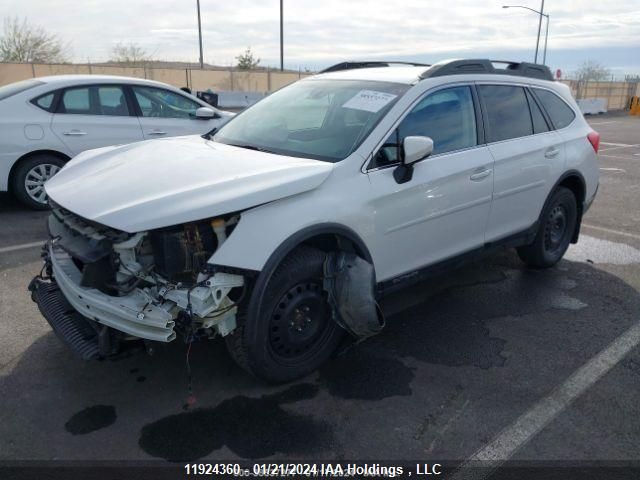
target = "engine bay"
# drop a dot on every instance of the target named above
(168, 267)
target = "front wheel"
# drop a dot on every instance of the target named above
(294, 333)
(557, 224)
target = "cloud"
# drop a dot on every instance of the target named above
(318, 33)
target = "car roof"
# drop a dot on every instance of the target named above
(412, 73)
(88, 78)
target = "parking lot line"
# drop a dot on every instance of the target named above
(610, 230)
(21, 247)
(507, 442)
(618, 144)
(615, 156)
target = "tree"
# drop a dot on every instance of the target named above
(129, 53)
(591, 70)
(246, 60)
(22, 42)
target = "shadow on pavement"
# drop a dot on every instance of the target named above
(478, 346)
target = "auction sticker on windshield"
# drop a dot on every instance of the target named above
(369, 100)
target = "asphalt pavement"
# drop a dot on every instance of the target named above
(489, 359)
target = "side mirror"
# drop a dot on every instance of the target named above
(205, 113)
(414, 149)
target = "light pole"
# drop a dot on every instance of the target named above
(539, 27)
(200, 35)
(542, 14)
(281, 38)
(546, 36)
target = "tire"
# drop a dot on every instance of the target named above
(35, 170)
(557, 224)
(294, 333)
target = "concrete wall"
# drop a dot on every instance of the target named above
(196, 79)
(617, 94)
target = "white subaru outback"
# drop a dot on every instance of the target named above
(280, 231)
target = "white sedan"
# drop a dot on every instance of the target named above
(46, 121)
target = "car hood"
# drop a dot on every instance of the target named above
(159, 183)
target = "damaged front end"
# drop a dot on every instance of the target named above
(103, 290)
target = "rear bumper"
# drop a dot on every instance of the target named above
(133, 314)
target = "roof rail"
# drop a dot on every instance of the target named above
(461, 67)
(372, 64)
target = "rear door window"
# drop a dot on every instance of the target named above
(112, 100)
(507, 112)
(560, 113)
(76, 101)
(93, 100)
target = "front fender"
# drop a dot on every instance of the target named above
(267, 233)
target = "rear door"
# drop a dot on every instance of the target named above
(164, 113)
(93, 116)
(528, 155)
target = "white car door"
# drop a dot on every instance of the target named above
(443, 210)
(164, 113)
(529, 157)
(93, 116)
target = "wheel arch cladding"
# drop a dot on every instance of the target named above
(326, 237)
(32, 154)
(574, 181)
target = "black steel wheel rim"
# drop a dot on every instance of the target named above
(555, 229)
(300, 323)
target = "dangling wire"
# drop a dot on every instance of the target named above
(191, 399)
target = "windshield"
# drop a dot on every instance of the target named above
(8, 90)
(319, 119)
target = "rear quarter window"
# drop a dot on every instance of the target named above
(559, 112)
(45, 102)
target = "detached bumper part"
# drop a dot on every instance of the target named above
(90, 322)
(71, 327)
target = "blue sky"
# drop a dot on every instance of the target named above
(319, 33)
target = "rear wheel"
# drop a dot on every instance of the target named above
(557, 224)
(30, 176)
(294, 333)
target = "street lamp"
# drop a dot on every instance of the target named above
(281, 39)
(200, 35)
(546, 35)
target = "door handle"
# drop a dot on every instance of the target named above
(552, 152)
(157, 132)
(476, 177)
(74, 133)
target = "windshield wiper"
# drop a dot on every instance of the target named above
(252, 147)
(209, 135)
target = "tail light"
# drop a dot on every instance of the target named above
(594, 140)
